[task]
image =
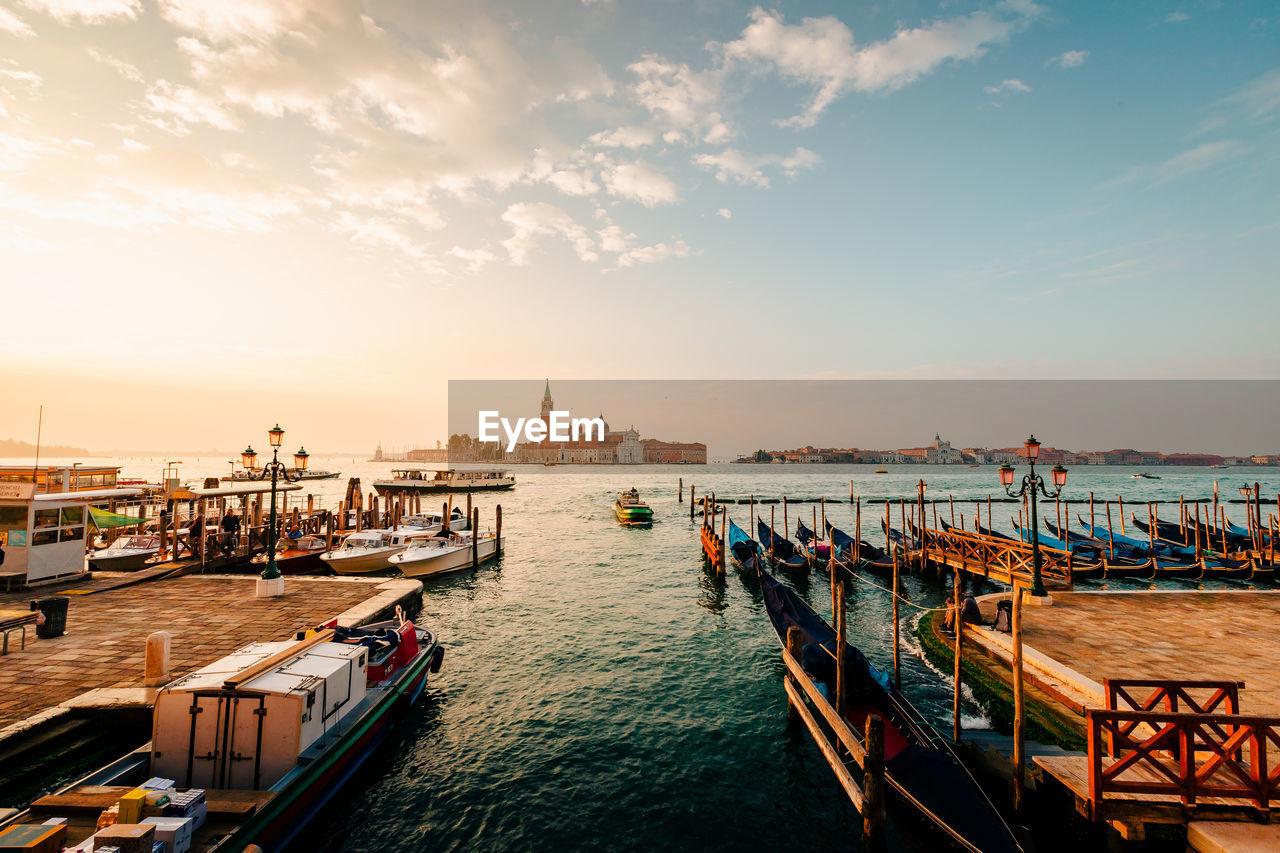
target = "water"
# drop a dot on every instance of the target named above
(602, 689)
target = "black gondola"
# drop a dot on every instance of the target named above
(921, 767)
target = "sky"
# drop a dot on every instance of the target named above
(216, 215)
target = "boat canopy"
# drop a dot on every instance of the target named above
(104, 520)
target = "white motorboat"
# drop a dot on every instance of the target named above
(433, 522)
(441, 554)
(367, 551)
(126, 554)
(417, 480)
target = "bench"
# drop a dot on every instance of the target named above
(15, 620)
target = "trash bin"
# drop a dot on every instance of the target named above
(55, 616)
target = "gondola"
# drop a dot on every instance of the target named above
(1137, 547)
(1078, 549)
(1170, 534)
(777, 550)
(817, 553)
(922, 770)
(744, 550)
(842, 552)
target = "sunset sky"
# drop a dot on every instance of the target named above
(218, 214)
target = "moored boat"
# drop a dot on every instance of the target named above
(248, 749)
(743, 550)
(125, 554)
(631, 510)
(426, 481)
(925, 776)
(778, 550)
(368, 551)
(448, 553)
(297, 556)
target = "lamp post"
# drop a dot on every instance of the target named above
(1030, 483)
(277, 470)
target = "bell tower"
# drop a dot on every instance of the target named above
(546, 403)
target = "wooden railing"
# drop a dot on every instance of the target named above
(991, 556)
(1190, 756)
(1171, 696)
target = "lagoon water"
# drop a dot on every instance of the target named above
(601, 689)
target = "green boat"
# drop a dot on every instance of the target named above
(631, 510)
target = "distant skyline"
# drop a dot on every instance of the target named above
(219, 214)
(740, 416)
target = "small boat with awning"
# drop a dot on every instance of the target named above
(125, 554)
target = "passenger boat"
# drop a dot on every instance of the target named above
(777, 550)
(631, 510)
(251, 747)
(410, 480)
(125, 554)
(1145, 476)
(881, 471)
(368, 551)
(923, 772)
(294, 474)
(297, 556)
(448, 553)
(744, 551)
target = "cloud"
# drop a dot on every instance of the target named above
(474, 258)
(1194, 160)
(86, 11)
(640, 182)
(531, 221)
(1259, 98)
(653, 254)
(724, 213)
(1008, 86)
(1176, 17)
(13, 25)
(681, 101)
(821, 52)
(178, 108)
(144, 190)
(624, 137)
(1069, 59)
(732, 165)
(124, 69)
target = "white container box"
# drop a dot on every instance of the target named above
(175, 832)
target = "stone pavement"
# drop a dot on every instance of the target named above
(1178, 635)
(208, 616)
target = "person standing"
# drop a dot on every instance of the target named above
(230, 530)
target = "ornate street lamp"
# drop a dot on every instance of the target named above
(1029, 485)
(276, 469)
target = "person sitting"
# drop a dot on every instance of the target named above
(294, 533)
(969, 612)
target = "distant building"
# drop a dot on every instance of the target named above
(1193, 459)
(674, 452)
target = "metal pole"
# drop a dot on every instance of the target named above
(271, 572)
(1037, 582)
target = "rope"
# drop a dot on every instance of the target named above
(901, 598)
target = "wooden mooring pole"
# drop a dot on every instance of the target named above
(959, 626)
(897, 668)
(497, 515)
(842, 687)
(680, 491)
(873, 784)
(691, 501)
(1019, 709)
(475, 536)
